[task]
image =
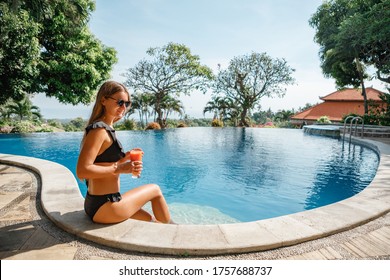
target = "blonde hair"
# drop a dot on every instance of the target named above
(106, 90)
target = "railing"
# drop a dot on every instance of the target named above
(354, 119)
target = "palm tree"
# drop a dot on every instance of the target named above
(170, 104)
(142, 102)
(212, 106)
(4, 113)
(24, 109)
(224, 108)
(233, 114)
(284, 115)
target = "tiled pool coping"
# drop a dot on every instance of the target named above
(63, 204)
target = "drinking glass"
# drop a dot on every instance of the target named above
(136, 156)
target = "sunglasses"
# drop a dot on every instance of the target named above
(120, 102)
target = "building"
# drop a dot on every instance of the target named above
(338, 104)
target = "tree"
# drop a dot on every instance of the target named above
(223, 109)
(71, 62)
(283, 115)
(76, 10)
(367, 33)
(212, 107)
(19, 52)
(353, 35)
(248, 78)
(24, 109)
(262, 117)
(142, 102)
(171, 105)
(172, 71)
(77, 124)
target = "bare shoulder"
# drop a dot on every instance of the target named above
(98, 132)
(96, 137)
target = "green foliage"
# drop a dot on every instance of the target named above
(55, 123)
(352, 34)
(324, 120)
(248, 78)
(23, 109)
(74, 63)
(284, 124)
(55, 51)
(24, 126)
(283, 115)
(199, 122)
(77, 124)
(143, 103)
(224, 109)
(171, 71)
(379, 115)
(187, 122)
(128, 124)
(19, 52)
(262, 117)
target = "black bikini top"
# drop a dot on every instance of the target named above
(115, 151)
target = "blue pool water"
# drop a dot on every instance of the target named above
(225, 175)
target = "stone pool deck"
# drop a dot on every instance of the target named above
(41, 217)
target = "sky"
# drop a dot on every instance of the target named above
(216, 31)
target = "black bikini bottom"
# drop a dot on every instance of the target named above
(92, 203)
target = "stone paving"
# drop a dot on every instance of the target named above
(27, 233)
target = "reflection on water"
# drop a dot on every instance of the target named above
(236, 174)
(342, 175)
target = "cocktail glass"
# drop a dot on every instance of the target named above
(136, 156)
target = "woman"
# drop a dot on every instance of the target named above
(102, 160)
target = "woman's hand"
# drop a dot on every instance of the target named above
(128, 167)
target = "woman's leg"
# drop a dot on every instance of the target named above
(131, 204)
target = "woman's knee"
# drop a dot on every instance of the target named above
(155, 189)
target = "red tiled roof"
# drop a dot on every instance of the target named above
(339, 104)
(333, 109)
(352, 94)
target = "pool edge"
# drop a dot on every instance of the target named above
(63, 204)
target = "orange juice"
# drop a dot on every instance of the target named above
(136, 155)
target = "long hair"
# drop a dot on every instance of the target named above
(106, 90)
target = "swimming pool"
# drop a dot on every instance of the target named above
(214, 175)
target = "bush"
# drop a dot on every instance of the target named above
(77, 124)
(55, 123)
(216, 123)
(6, 129)
(153, 125)
(350, 119)
(44, 128)
(371, 119)
(324, 119)
(126, 125)
(181, 124)
(23, 127)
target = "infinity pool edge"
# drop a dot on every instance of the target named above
(62, 202)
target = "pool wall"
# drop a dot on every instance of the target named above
(323, 130)
(63, 203)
